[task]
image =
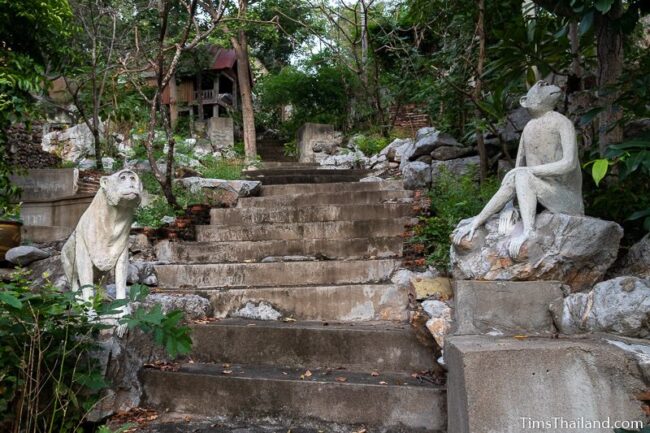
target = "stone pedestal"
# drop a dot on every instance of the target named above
(504, 307)
(508, 385)
(316, 141)
(221, 132)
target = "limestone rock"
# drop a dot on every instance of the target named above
(238, 188)
(142, 273)
(25, 254)
(417, 175)
(395, 149)
(193, 306)
(345, 160)
(458, 167)
(575, 250)
(619, 306)
(637, 260)
(72, 144)
(440, 322)
(261, 311)
(48, 271)
(444, 153)
(427, 140)
(438, 288)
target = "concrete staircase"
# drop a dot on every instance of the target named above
(321, 254)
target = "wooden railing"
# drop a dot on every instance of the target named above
(206, 95)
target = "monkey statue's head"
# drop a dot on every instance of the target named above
(122, 189)
(541, 98)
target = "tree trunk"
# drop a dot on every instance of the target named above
(609, 48)
(480, 142)
(244, 80)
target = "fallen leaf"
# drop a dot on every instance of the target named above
(383, 383)
(288, 320)
(227, 372)
(520, 337)
(307, 373)
(226, 366)
(341, 379)
(374, 373)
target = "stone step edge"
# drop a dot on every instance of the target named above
(275, 373)
(190, 291)
(409, 220)
(225, 243)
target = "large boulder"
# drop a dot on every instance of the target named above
(457, 167)
(637, 260)
(576, 250)
(72, 144)
(395, 149)
(445, 153)
(429, 139)
(619, 306)
(417, 175)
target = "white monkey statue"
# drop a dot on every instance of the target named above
(99, 243)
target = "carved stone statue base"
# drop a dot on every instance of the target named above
(575, 250)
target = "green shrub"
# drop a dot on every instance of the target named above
(372, 144)
(221, 168)
(291, 148)
(50, 379)
(453, 198)
(151, 215)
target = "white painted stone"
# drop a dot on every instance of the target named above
(261, 311)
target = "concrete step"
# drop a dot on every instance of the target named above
(402, 403)
(331, 230)
(287, 164)
(245, 251)
(354, 302)
(275, 274)
(303, 178)
(384, 346)
(353, 212)
(320, 199)
(311, 188)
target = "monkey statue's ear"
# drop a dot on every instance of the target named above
(103, 182)
(522, 101)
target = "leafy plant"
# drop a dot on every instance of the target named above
(371, 144)
(50, 379)
(632, 162)
(453, 198)
(151, 215)
(290, 148)
(221, 168)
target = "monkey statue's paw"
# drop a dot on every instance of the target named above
(515, 244)
(121, 329)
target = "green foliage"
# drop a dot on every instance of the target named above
(50, 378)
(317, 94)
(221, 168)
(290, 148)
(151, 215)
(624, 198)
(371, 144)
(453, 198)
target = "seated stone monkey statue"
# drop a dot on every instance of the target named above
(547, 171)
(99, 243)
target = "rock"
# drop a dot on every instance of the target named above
(72, 144)
(24, 255)
(620, 306)
(637, 260)
(345, 160)
(261, 311)
(439, 288)
(395, 150)
(218, 191)
(427, 159)
(444, 153)
(515, 122)
(193, 306)
(371, 179)
(48, 271)
(417, 175)
(142, 273)
(427, 140)
(457, 167)
(575, 250)
(503, 167)
(504, 307)
(440, 322)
